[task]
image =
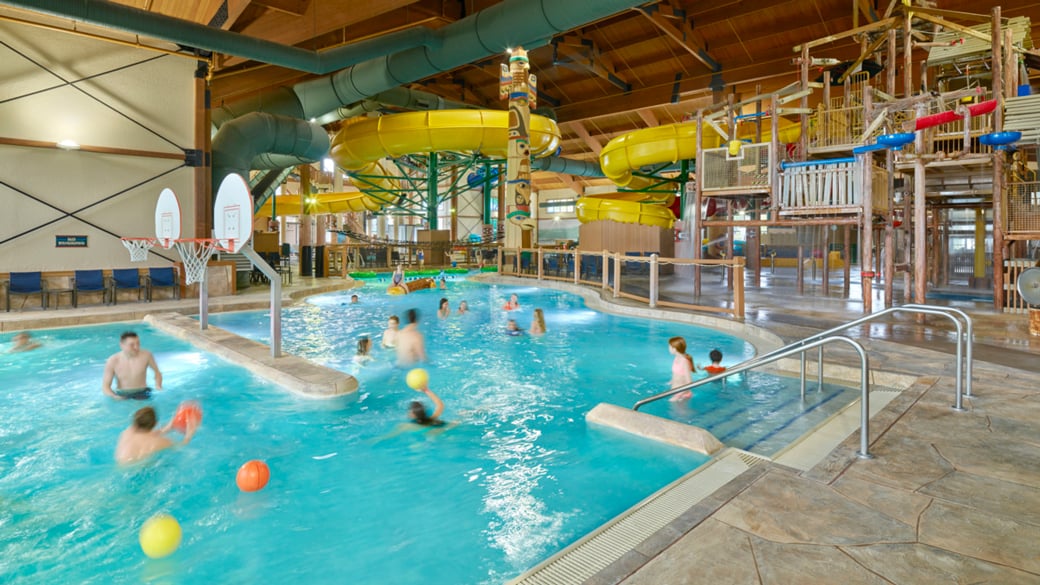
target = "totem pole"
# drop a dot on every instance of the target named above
(519, 87)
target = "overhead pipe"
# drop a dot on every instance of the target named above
(488, 32)
(398, 97)
(167, 28)
(239, 143)
(568, 166)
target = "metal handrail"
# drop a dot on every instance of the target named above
(795, 348)
(911, 308)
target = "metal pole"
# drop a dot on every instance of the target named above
(276, 297)
(819, 368)
(801, 375)
(431, 192)
(653, 280)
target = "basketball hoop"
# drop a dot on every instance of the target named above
(196, 252)
(138, 247)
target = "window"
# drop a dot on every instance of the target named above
(559, 206)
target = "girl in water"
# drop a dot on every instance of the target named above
(463, 307)
(682, 368)
(444, 310)
(538, 323)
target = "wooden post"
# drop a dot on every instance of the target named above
(730, 248)
(866, 246)
(695, 217)
(890, 73)
(799, 273)
(738, 288)
(998, 169)
(204, 199)
(826, 288)
(908, 48)
(889, 271)
(304, 232)
(846, 257)
(920, 215)
(803, 141)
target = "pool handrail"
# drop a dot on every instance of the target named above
(789, 350)
(948, 312)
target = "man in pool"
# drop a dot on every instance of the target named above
(411, 346)
(130, 368)
(23, 342)
(142, 439)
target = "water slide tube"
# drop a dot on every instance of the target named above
(642, 208)
(627, 153)
(361, 146)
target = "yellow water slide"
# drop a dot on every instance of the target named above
(362, 146)
(659, 145)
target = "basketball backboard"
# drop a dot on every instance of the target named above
(167, 218)
(233, 213)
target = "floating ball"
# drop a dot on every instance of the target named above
(417, 379)
(188, 413)
(252, 476)
(160, 536)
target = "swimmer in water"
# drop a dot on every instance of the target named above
(129, 367)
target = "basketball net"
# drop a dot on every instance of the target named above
(138, 248)
(195, 254)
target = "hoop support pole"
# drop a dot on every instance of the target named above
(276, 297)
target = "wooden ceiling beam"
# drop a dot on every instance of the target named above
(235, 8)
(648, 118)
(292, 7)
(663, 14)
(583, 52)
(318, 19)
(587, 138)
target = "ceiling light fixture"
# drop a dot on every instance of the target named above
(67, 144)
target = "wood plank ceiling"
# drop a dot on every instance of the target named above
(640, 68)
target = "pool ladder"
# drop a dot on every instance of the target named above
(963, 361)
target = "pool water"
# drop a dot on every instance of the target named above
(351, 499)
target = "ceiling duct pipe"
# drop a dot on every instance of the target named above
(489, 32)
(191, 34)
(399, 97)
(247, 143)
(569, 166)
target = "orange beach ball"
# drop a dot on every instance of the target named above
(252, 476)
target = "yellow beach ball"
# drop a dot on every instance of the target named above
(160, 536)
(417, 379)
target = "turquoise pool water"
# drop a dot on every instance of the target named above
(519, 477)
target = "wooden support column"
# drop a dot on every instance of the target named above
(908, 61)
(826, 290)
(920, 265)
(890, 67)
(203, 223)
(889, 270)
(846, 257)
(866, 246)
(695, 219)
(998, 168)
(753, 240)
(803, 140)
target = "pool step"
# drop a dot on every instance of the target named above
(609, 543)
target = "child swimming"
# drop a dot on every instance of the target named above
(682, 368)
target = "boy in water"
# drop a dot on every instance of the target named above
(141, 439)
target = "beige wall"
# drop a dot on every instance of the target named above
(146, 105)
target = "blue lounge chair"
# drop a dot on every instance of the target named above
(88, 281)
(126, 279)
(26, 283)
(162, 278)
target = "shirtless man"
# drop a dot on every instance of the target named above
(411, 347)
(390, 334)
(130, 368)
(142, 439)
(22, 342)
